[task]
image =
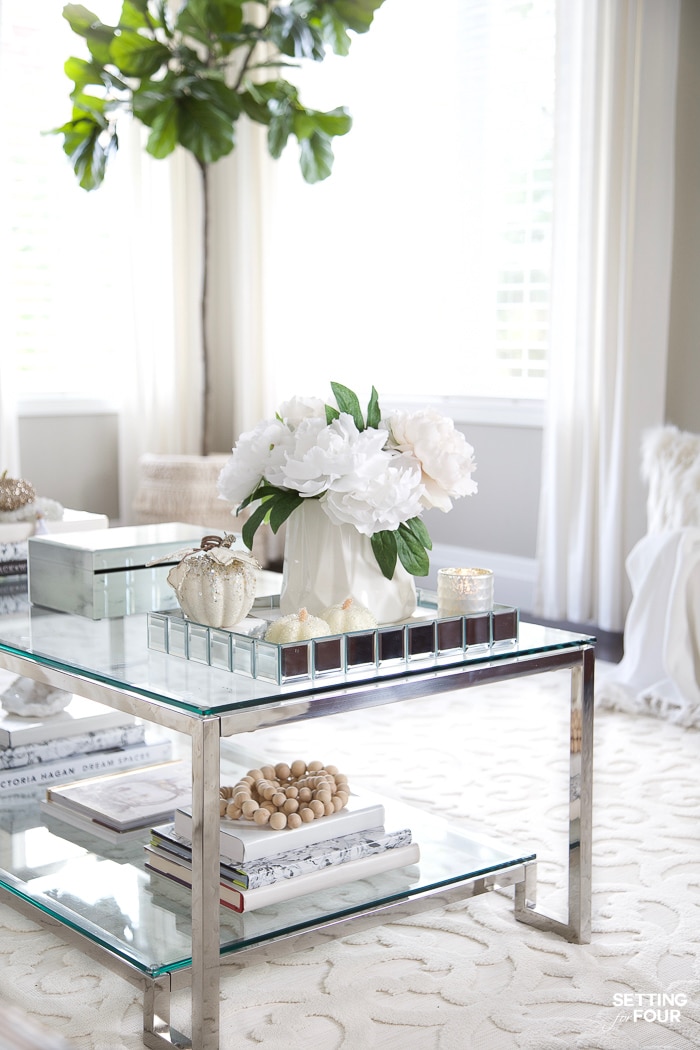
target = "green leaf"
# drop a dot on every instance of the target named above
(283, 506)
(316, 158)
(419, 530)
(411, 551)
(348, 402)
(251, 526)
(207, 19)
(294, 35)
(138, 56)
(136, 15)
(374, 416)
(164, 129)
(334, 32)
(331, 414)
(204, 130)
(358, 15)
(385, 551)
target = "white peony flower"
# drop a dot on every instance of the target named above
(380, 501)
(445, 457)
(298, 408)
(336, 456)
(256, 453)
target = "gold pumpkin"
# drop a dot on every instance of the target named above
(15, 492)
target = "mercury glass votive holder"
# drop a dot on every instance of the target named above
(464, 591)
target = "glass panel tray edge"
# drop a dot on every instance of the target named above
(422, 641)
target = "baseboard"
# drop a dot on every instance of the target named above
(514, 577)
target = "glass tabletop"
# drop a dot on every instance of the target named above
(115, 652)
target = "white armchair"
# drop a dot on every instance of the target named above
(659, 673)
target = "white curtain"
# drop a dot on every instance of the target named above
(613, 216)
(160, 371)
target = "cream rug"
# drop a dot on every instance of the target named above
(466, 976)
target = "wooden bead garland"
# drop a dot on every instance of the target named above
(285, 796)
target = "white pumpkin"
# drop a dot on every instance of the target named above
(297, 627)
(215, 586)
(349, 616)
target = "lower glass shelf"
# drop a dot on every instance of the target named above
(105, 892)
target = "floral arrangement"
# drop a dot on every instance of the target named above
(373, 472)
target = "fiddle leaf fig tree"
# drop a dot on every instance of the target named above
(190, 74)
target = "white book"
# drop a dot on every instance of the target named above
(293, 862)
(132, 799)
(243, 840)
(78, 767)
(287, 889)
(80, 716)
(82, 744)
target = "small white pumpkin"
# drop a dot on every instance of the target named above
(215, 585)
(297, 627)
(349, 616)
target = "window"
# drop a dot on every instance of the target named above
(422, 263)
(58, 242)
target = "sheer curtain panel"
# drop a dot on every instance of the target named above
(613, 215)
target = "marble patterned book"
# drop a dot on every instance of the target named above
(291, 863)
(287, 889)
(80, 744)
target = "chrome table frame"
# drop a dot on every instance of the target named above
(205, 732)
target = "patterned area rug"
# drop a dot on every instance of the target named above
(465, 976)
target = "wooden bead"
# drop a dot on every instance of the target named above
(285, 795)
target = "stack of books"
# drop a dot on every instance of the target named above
(121, 806)
(260, 866)
(85, 739)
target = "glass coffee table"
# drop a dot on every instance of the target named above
(171, 939)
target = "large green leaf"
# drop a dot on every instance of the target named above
(374, 415)
(385, 551)
(411, 551)
(208, 19)
(348, 402)
(292, 33)
(204, 130)
(163, 123)
(138, 56)
(135, 14)
(358, 15)
(253, 523)
(418, 528)
(282, 507)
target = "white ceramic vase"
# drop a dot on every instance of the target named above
(325, 563)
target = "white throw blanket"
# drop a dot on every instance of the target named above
(660, 671)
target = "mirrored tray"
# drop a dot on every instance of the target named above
(425, 638)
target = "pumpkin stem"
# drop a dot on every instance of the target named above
(303, 615)
(346, 604)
